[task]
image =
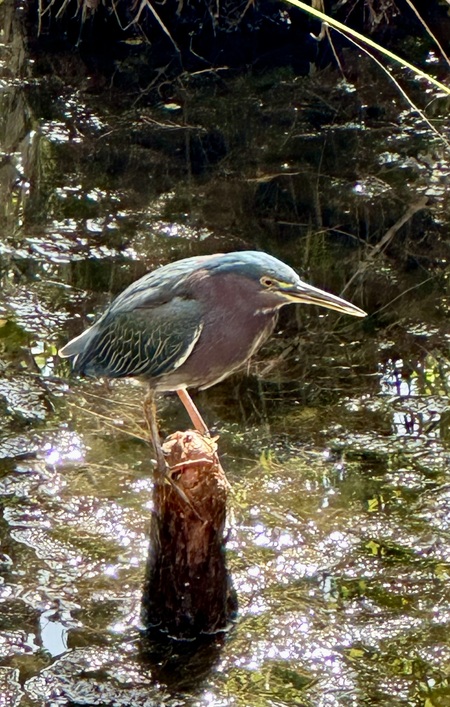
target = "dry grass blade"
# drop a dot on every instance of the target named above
(358, 37)
(428, 29)
(146, 4)
(413, 208)
(400, 89)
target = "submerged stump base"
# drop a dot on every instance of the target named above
(187, 589)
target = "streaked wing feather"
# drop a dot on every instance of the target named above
(144, 342)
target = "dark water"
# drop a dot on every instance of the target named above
(336, 443)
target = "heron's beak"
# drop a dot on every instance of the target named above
(308, 294)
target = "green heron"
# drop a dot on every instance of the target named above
(192, 323)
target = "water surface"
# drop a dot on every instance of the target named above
(335, 440)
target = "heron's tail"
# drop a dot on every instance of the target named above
(77, 346)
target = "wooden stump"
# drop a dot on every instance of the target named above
(187, 589)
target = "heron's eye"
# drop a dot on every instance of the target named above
(267, 282)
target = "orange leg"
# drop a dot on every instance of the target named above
(191, 409)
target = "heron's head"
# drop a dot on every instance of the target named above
(278, 284)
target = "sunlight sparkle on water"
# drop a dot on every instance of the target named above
(96, 194)
(262, 538)
(210, 698)
(180, 230)
(69, 451)
(291, 569)
(57, 132)
(65, 191)
(111, 570)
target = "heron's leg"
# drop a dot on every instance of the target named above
(161, 466)
(191, 409)
(150, 416)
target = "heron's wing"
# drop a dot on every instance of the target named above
(160, 285)
(148, 341)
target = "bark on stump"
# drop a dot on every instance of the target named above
(187, 589)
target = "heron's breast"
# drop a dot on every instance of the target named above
(234, 325)
(221, 349)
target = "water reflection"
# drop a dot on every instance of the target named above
(336, 446)
(54, 624)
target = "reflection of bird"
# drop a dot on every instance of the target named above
(192, 323)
